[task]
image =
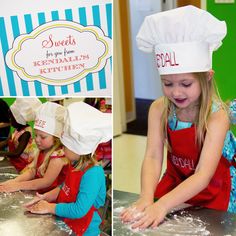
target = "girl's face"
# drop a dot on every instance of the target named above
(182, 89)
(70, 154)
(43, 140)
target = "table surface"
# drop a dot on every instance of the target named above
(190, 221)
(15, 220)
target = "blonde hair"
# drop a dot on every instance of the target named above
(86, 160)
(209, 93)
(42, 169)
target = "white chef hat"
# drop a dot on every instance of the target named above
(85, 128)
(24, 109)
(183, 39)
(50, 118)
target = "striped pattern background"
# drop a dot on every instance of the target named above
(10, 28)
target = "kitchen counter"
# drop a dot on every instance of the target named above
(15, 220)
(190, 221)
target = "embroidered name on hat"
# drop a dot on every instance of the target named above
(166, 59)
(40, 123)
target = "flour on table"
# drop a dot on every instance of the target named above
(174, 224)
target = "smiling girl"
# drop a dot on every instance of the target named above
(190, 119)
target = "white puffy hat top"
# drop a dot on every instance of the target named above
(24, 109)
(85, 128)
(183, 39)
(50, 118)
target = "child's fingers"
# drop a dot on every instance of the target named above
(28, 208)
(36, 199)
(128, 215)
(32, 202)
(3, 189)
(143, 223)
(28, 204)
(39, 195)
(9, 187)
(123, 212)
(138, 215)
(155, 223)
(38, 210)
(34, 210)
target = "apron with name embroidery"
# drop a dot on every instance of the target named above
(68, 194)
(182, 162)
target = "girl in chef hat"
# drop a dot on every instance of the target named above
(22, 147)
(84, 190)
(49, 167)
(191, 119)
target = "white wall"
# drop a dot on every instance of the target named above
(119, 119)
(146, 78)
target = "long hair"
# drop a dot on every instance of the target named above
(86, 160)
(209, 93)
(42, 169)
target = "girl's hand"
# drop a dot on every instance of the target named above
(42, 207)
(8, 181)
(131, 213)
(36, 199)
(152, 216)
(10, 187)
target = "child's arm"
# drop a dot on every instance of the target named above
(218, 126)
(54, 168)
(90, 186)
(152, 163)
(23, 141)
(26, 175)
(50, 196)
(12, 185)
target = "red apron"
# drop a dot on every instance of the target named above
(68, 194)
(182, 162)
(58, 181)
(18, 162)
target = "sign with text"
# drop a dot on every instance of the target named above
(62, 52)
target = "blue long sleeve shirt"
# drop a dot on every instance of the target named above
(92, 192)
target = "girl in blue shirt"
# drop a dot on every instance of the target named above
(84, 190)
